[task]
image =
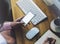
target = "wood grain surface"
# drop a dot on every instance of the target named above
(43, 26)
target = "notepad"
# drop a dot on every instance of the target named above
(46, 35)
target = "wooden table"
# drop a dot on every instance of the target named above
(43, 26)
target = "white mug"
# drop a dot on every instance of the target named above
(55, 25)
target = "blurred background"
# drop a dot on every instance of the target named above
(5, 11)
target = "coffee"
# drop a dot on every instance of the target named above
(57, 22)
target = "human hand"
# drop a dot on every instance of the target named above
(6, 29)
(50, 41)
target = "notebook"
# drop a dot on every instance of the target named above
(46, 35)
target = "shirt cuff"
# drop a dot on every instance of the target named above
(2, 39)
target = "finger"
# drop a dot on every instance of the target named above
(7, 36)
(53, 42)
(7, 32)
(9, 25)
(19, 19)
(16, 23)
(46, 41)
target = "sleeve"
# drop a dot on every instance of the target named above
(2, 39)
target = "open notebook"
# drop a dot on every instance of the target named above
(45, 36)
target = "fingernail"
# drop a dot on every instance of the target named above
(21, 22)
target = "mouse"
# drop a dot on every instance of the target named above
(32, 33)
